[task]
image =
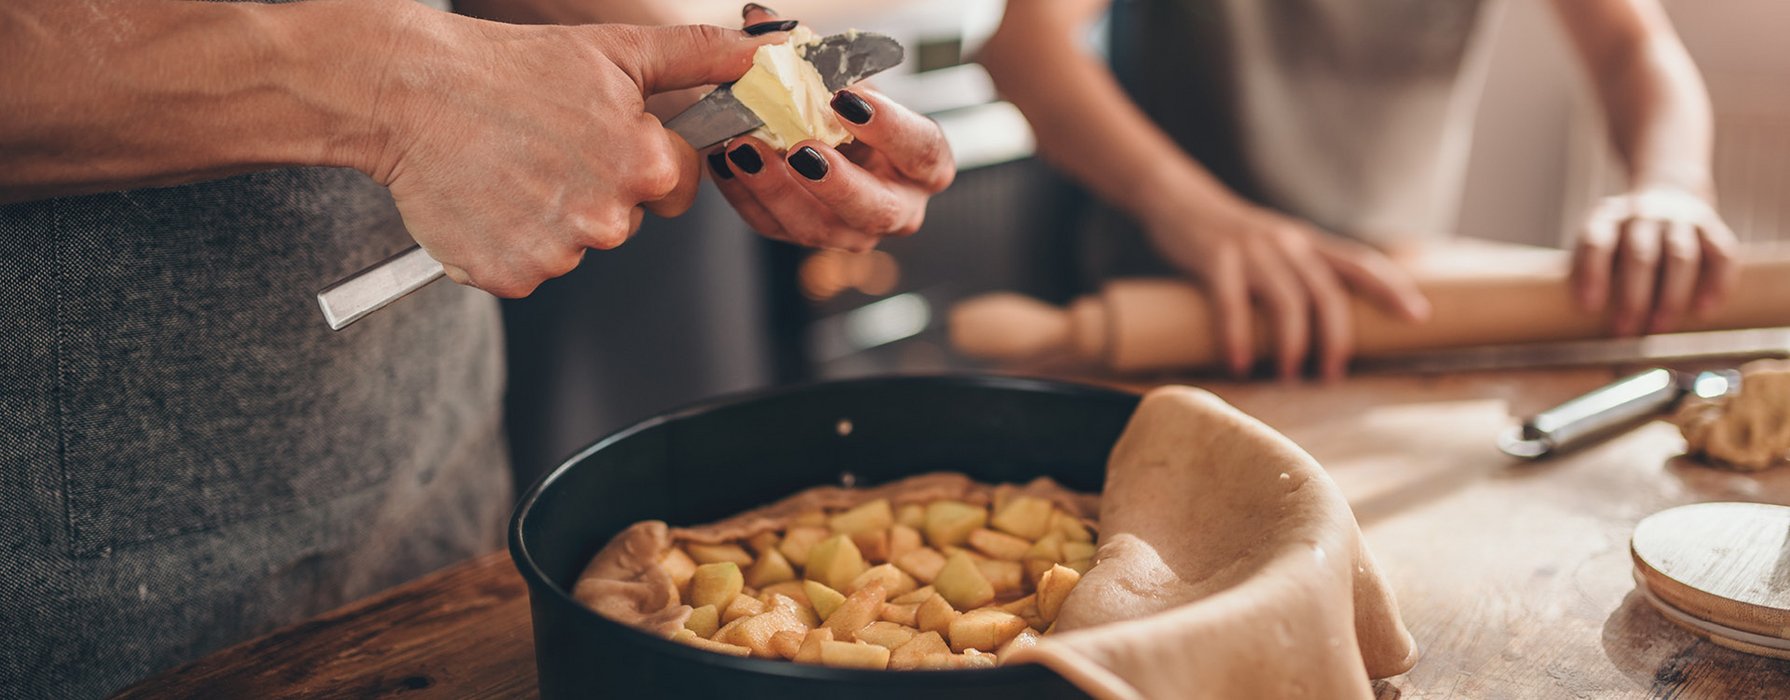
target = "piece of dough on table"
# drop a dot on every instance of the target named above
(1748, 430)
(1230, 566)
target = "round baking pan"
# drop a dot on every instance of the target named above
(715, 459)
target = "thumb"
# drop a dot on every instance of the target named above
(660, 59)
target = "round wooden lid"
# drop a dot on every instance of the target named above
(1721, 570)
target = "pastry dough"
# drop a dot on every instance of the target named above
(1229, 567)
(1748, 430)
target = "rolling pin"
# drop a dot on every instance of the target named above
(1147, 324)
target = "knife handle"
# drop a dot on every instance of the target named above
(371, 289)
(1629, 400)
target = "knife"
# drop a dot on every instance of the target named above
(841, 59)
(1629, 401)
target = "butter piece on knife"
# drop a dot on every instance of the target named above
(786, 92)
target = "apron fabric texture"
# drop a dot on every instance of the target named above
(1356, 115)
(191, 457)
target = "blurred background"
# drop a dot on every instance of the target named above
(699, 306)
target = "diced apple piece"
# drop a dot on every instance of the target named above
(755, 632)
(703, 621)
(762, 542)
(679, 566)
(971, 553)
(716, 584)
(963, 584)
(998, 545)
(799, 541)
(886, 634)
(715, 553)
(1027, 517)
(690, 638)
(853, 655)
(875, 515)
(923, 563)
(985, 629)
(902, 614)
(1072, 528)
(1078, 550)
(1053, 588)
(742, 606)
(835, 562)
(859, 609)
(770, 568)
(950, 522)
(903, 539)
(812, 518)
(1007, 577)
(908, 656)
(874, 544)
(788, 642)
(796, 590)
(895, 581)
(1026, 639)
(1048, 547)
(1081, 566)
(1027, 609)
(935, 615)
(911, 515)
(822, 598)
(916, 596)
(809, 653)
(1036, 568)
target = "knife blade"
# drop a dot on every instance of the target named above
(841, 60)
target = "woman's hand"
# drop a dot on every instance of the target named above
(847, 198)
(516, 148)
(1653, 255)
(1302, 278)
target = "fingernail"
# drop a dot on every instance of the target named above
(852, 107)
(751, 6)
(747, 158)
(718, 163)
(781, 25)
(808, 162)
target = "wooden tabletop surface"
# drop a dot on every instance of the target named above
(1515, 578)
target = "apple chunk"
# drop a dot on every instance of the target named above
(824, 600)
(799, 541)
(911, 654)
(715, 584)
(859, 609)
(742, 606)
(770, 568)
(962, 583)
(985, 630)
(690, 638)
(809, 652)
(1027, 517)
(755, 632)
(998, 545)
(950, 522)
(886, 634)
(853, 655)
(835, 562)
(912, 515)
(895, 582)
(922, 563)
(789, 642)
(875, 515)
(935, 615)
(1053, 589)
(713, 553)
(703, 621)
(679, 566)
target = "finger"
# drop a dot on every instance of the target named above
(1229, 286)
(687, 178)
(1592, 261)
(674, 58)
(773, 184)
(1288, 308)
(1681, 259)
(1373, 275)
(913, 144)
(1720, 271)
(1636, 272)
(742, 200)
(863, 201)
(1330, 313)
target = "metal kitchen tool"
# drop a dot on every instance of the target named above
(1628, 401)
(841, 59)
(1723, 347)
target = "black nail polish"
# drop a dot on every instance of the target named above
(747, 158)
(747, 10)
(718, 163)
(808, 162)
(852, 107)
(781, 25)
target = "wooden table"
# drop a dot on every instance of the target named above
(1514, 578)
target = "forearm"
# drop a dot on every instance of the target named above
(111, 94)
(1085, 123)
(1654, 101)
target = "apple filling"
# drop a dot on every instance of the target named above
(885, 583)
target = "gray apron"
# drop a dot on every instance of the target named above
(1356, 115)
(189, 457)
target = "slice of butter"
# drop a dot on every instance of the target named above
(785, 91)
